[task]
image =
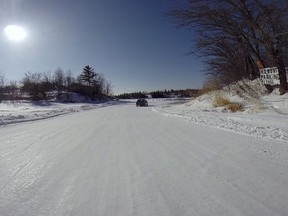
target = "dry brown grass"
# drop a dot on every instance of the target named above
(221, 101)
(234, 107)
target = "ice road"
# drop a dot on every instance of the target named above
(122, 160)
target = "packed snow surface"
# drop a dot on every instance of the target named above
(176, 157)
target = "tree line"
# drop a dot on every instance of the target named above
(160, 94)
(236, 38)
(38, 85)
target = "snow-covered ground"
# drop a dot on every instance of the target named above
(263, 115)
(176, 157)
(22, 111)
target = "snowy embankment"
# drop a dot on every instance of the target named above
(12, 112)
(263, 115)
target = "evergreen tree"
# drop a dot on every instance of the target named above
(88, 76)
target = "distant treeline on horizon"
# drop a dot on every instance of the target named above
(160, 94)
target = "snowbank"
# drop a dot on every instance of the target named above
(264, 115)
(22, 111)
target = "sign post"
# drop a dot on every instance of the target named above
(270, 76)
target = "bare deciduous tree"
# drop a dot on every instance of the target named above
(32, 83)
(233, 34)
(69, 79)
(59, 79)
(108, 88)
(2, 80)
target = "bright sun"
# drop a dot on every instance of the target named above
(15, 33)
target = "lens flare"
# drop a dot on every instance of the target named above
(15, 33)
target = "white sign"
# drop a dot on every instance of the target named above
(270, 76)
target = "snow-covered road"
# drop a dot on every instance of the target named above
(128, 161)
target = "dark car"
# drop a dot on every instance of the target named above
(141, 102)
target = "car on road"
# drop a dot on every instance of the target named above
(141, 102)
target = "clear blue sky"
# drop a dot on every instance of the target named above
(131, 42)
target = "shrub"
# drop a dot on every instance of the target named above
(221, 101)
(234, 107)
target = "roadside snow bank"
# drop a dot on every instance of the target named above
(249, 124)
(22, 111)
(264, 115)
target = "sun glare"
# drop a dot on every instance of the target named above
(15, 33)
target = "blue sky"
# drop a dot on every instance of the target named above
(131, 42)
